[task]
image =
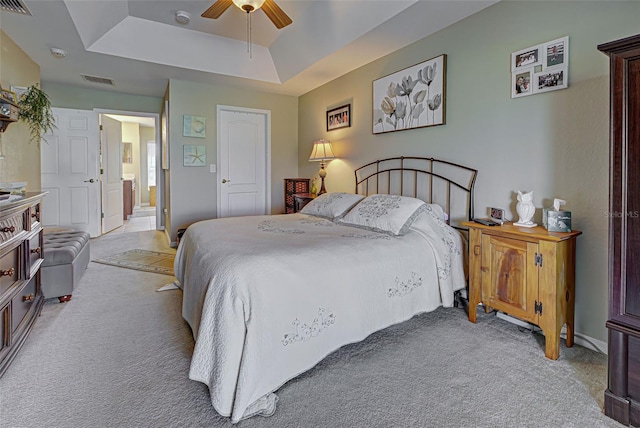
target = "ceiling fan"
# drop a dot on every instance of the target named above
(270, 8)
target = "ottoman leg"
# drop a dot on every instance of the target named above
(64, 298)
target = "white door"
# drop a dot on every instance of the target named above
(111, 140)
(69, 172)
(243, 162)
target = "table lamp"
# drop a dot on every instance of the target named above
(322, 152)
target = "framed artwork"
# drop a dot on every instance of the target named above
(194, 155)
(127, 152)
(19, 90)
(164, 124)
(339, 117)
(521, 85)
(541, 68)
(194, 126)
(526, 58)
(556, 53)
(9, 95)
(411, 98)
(550, 80)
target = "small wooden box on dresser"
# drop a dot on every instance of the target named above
(528, 273)
(20, 258)
(622, 397)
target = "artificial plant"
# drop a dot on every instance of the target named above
(35, 111)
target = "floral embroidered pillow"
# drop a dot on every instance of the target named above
(385, 213)
(331, 205)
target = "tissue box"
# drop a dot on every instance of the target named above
(557, 221)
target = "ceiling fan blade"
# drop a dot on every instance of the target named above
(275, 14)
(217, 9)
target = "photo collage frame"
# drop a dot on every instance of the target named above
(540, 68)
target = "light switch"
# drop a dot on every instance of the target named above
(212, 168)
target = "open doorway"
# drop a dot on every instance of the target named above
(136, 173)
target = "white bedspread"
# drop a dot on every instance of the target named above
(268, 297)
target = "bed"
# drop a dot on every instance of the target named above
(268, 297)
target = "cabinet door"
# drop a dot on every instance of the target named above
(510, 276)
(624, 212)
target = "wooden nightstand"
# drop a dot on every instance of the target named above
(300, 200)
(528, 273)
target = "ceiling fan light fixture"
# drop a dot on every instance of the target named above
(249, 5)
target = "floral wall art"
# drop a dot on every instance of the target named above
(411, 98)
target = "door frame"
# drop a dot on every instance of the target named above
(267, 158)
(159, 171)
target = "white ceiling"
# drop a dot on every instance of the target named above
(139, 44)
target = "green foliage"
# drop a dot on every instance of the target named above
(35, 111)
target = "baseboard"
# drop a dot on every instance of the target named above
(579, 338)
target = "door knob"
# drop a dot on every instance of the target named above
(91, 180)
(224, 180)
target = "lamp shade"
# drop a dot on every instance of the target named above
(321, 151)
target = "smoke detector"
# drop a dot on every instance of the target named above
(58, 53)
(183, 17)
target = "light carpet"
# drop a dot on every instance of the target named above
(118, 354)
(144, 260)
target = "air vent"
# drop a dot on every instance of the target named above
(15, 6)
(101, 80)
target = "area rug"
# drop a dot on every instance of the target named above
(144, 260)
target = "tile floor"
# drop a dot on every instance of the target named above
(143, 219)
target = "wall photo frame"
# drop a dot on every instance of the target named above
(194, 155)
(194, 126)
(414, 97)
(555, 53)
(548, 70)
(550, 80)
(339, 117)
(522, 82)
(526, 58)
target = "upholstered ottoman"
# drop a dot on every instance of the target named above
(66, 256)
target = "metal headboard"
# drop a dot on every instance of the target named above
(429, 179)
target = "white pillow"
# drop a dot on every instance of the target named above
(331, 205)
(385, 213)
(439, 212)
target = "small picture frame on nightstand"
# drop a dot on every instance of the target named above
(497, 215)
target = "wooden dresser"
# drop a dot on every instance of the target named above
(622, 397)
(528, 273)
(20, 258)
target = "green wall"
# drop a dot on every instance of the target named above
(65, 96)
(554, 143)
(193, 194)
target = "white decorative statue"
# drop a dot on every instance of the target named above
(525, 209)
